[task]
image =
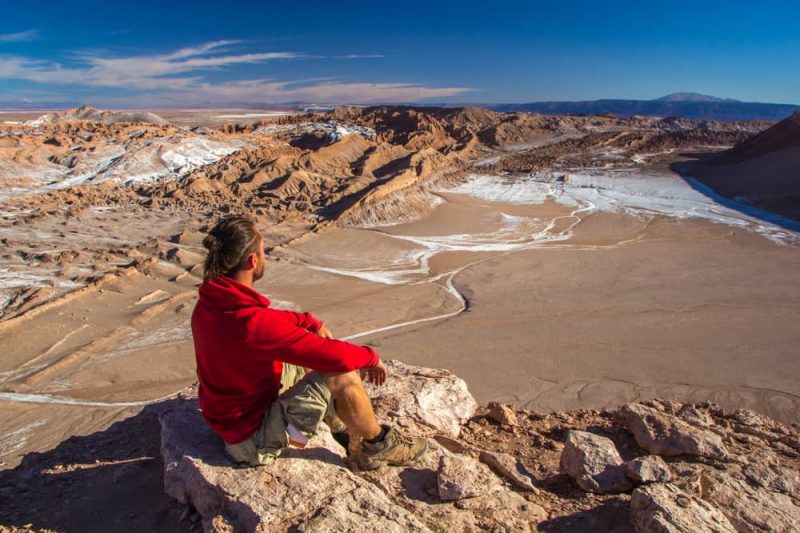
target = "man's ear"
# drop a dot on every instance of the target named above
(251, 261)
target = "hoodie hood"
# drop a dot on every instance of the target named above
(226, 294)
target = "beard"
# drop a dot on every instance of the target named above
(259, 273)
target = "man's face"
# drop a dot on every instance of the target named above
(260, 261)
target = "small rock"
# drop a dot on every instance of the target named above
(664, 508)
(219, 524)
(461, 477)
(502, 464)
(183, 257)
(69, 161)
(649, 469)
(695, 416)
(594, 463)
(663, 434)
(508, 468)
(502, 414)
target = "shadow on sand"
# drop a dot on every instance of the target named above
(692, 172)
(111, 480)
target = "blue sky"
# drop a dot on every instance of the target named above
(168, 54)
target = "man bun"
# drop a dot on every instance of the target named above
(211, 243)
(229, 243)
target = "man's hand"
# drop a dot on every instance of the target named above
(375, 374)
(324, 332)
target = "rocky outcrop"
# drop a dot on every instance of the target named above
(425, 401)
(310, 487)
(469, 480)
(663, 434)
(664, 508)
(313, 489)
(751, 507)
(594, 463)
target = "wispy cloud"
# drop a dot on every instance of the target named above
(181, 76)
(360, 56)
(134, 72)
(22, 36)
(329, 91)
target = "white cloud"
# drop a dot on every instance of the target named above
(179, 77)
(360, 56)
(273, 92)
(22, 36)
(134, 72)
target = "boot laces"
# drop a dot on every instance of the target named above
(403, 439)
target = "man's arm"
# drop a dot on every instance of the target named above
(274, 335)
(302, 320)
(375, 374)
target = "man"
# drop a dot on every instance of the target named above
(251, 362)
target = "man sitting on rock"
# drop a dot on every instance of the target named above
(266, 372)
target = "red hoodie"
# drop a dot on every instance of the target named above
(241, 343)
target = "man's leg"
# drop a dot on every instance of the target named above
(352, 404)
(314, 399)
(381, 445)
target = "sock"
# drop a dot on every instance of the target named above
(380, 437)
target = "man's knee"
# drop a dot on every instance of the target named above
(343, 382)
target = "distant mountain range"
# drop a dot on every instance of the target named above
(686, 105)
(689, 105)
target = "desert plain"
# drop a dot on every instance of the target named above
(554, 263)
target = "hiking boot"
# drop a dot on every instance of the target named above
(395, 449)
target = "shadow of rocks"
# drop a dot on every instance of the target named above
(623, 440)
(420, 484)
(610, 516)
(694, 171)
(111, 480)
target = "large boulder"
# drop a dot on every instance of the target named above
(664, 434)
(594, 463)
(664, 508)
(312, 489)
(428, 401)
(304, 485)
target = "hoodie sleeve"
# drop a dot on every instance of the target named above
(302, 320)
(274, 335)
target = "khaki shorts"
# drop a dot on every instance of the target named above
(304, 403)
